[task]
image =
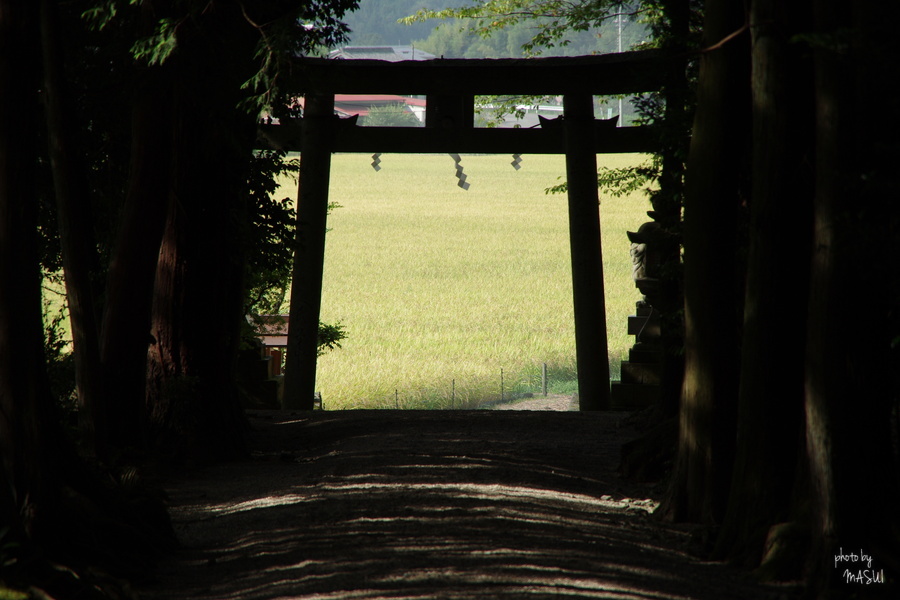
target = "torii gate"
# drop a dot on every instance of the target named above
(450, 87)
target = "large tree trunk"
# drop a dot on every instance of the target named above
(848, 392)
(52, 509)
(28, 478)
(712, 200)
(773, 341)
(668, 201)
(198, 306)
(125, 333)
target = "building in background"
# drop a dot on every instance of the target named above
(388, 53)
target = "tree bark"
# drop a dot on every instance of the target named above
(712, 199)
(773, 341)
(74, 218)
(29, 477)
(125, 332)
(198, 303)
(199, 291)
(848, 394)
(668, 202)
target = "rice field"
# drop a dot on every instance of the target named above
(451, 298)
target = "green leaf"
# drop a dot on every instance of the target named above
(155, 49)
(100, 16)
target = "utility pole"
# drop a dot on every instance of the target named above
(621, 121)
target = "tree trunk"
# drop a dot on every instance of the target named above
(771, 388)
(712, 200)
(25, 401)
(198, 306)
(125, 333)
(74, 218)
(668, 201)
(848, 393)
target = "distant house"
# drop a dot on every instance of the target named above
(273, 331)
(388, 53)
(347, 105)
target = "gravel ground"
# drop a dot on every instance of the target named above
(554, 402)
(433, 504)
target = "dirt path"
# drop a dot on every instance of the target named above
(554, 402)
(416, 504)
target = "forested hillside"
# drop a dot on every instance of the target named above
(377, 23)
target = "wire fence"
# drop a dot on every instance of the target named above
(458, 394)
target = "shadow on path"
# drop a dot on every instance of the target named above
(415, 504)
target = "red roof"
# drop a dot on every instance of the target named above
(377, 98)
(359, 104)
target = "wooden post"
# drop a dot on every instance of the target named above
(309, 254)
(587, 257)
(544, 380)
(450, 111)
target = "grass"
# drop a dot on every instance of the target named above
(440, 289)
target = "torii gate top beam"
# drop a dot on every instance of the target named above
(450, 86)
(606, 74)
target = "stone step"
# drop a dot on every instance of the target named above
(646, 373)
(632, 396)
(644, 355)
(261, 395)
(643, 310)
(650, 326)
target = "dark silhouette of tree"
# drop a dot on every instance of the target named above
(713, 197)
(807, 467)
(28, 480)
(849, 391)
(193, 350)
(189, 77)
(53, 508)
(771, 391)
(193, 77)
(75, 220)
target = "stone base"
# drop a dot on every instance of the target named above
(645, 373)
(632, 396)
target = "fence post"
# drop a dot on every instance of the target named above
(544, 380)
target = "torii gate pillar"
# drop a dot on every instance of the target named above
(309, 255)
(587, 256)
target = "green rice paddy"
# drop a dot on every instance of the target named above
(452, 297)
